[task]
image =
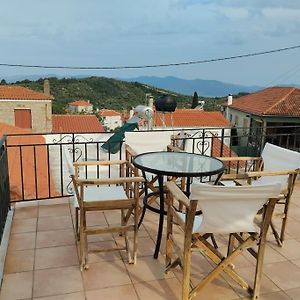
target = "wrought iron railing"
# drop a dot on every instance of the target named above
(4, 186)
(38, 171)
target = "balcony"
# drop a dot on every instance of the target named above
(42, 256)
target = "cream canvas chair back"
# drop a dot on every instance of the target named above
(276, 158)
(230, 209)
(142, 142)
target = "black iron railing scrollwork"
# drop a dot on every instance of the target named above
(41, 171)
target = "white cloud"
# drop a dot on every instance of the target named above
(118, 32)
(282, 13)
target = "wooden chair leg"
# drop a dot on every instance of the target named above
(276, 235)
(261, 247)
(284, 220)
(187, 254)
(135, 233)
(125, 234)
(76, 224)
(82, 241)
(258, 270)
(85, 244)
(230, 244)
(169, 248)
(223, 265)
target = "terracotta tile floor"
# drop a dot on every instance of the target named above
(42, 261)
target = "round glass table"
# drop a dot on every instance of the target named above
(177, 164)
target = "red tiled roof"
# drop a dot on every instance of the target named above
(80, 103)
(76, 123)
(108, 113)
(31, 188)
(283, 101)
(21, 93)
(191, 118)
(217, 150)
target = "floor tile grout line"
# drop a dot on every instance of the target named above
(34, 252)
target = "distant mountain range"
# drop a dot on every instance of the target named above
(206, 88)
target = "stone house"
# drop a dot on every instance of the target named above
(25, 108)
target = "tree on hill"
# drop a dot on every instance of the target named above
(195, 100)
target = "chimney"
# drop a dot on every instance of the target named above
(229, 99)
(150, 102)
(47, 87)
(131, 112)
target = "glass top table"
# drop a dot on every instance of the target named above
(177, 164)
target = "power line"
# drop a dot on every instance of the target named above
(292, 71)
(154, 65)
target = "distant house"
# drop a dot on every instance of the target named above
(76, 124)
(80, 106)
(274, 106)
(189, 118)
(193, 123)
(111, 119)
(25, 108)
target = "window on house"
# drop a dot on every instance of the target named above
(236, 120)
(23, 118)
(245, 125)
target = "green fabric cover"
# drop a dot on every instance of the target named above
(114, 143)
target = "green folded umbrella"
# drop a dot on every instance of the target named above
(114, 143)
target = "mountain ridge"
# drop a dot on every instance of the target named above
(204, 87)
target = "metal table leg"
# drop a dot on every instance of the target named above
(161, 215)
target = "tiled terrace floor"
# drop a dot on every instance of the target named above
(42, 261)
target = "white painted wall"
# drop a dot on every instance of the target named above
(112, 122)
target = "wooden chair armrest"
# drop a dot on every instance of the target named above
(236, 158)
(177, 193)
(172, 148)
(130, 151)
(271, 173)
(99, 163)
(233, 176)
(118, 180)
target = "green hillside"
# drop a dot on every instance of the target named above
(108, 93)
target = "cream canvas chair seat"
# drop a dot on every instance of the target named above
(276, 165)
(101, 194)
(225, 210)
(138, 142)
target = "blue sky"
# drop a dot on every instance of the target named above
(131, 32)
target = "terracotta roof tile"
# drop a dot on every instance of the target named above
(108, 113)
(30, 167)
(191, 118)
(283, 101)
(80, 103)
(217, 151)
(76, 123)
(21, 93)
